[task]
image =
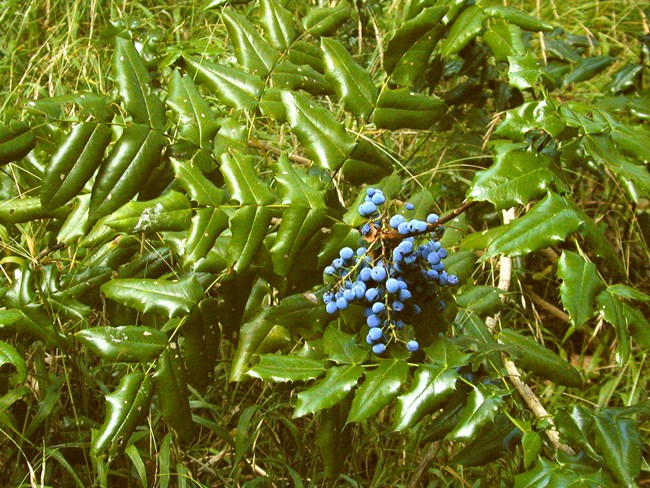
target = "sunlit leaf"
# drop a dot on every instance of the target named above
(329, 391)
(171, 387)
(342, 348)
(580, 284)
(380, 386)
(273, 367)
(129, 343)
(169, 212)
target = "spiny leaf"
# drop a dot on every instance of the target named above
(133, 82)
(278, 23)
(206, 225)
(168, 212)
(273, 367)
(299, 311)
(74, 163)
(342, 348)
(128, 344)
(432, 385)
(171, 387)
(171, 298)
(481, 407)
(126, 408)
(580, 284)
(324, 21)
(353, 84)
(249, 226)
(16, 141)
(465, 28)
(529, 116)
(199, 188)
(328, 392)
(619, 441)
(379, 387)
(324, 138)
(504, 40)
(9, 355)
(401, 109)
(252, 51)
(517, 17)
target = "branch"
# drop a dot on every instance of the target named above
(274, 150)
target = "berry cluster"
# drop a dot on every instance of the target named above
(400, 269)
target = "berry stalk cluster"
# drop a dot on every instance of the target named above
(392, 278)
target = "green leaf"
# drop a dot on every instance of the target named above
(16, 141)
(249, 226)
(325, 140)
(379, 387)
(523, 71)
(624, 291)
(206, 225)
(619, 441)
(549, 222)
(297, 187)
(481, 299)
(170, 298)
(466, 27)
(587, 68)
(278, 24)
(19, 210)
(9, 355)
(251, 335)
(171, 387)
(127, 344)
(504, 40)
(196, 121)
(446, 353)
(432, 385)
(515, 178)
(586, 117)
(201, 342)
(326, 20)
(169, 212)
(126, 408)
(234, 87)
(243, 182)
(289, 76)
(253, 53)
(342, 348)
(634, 141)
(329, 391)
(612, 310)
(402, 109)
(492, 442)
(121, 176)
(133, 84)
(575, 428)
(74, 163)
(532, 356)
(273, 367)
(531, 443)
(300, 311)
(353, 84)
(481, 407)
(199, 188)
(580, 284)
(602, 149)
(565, 474)
(530, 116)
(517, 17)
(410, 47)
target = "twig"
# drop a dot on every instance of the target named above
(424, 464)
(529, 397)
(50, 250)
(274, 150)
(543, 304)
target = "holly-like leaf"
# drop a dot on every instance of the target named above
(353, 84)
(379, 387)
(329, 391)
(133, 83)
(253, 53)
(549, 222)
(278, 23)
(565, 474)
(326, 20)
(528, 116)
(206, 225)
(171, 387)
(128, 344)
(274, 367)
(249, 226)
(196, 120)
(534, 357)
(518, 18)
(9, 355)
(504, 40)
(587, 68)
(580, 284)
(126, 408)
(481, 407)
(300, 311)
(401, 109)
(524, 72)
(234, 87)
(492, 442)
(619, 442)
(251, 335)
(169, 212)
(16, 141)
(575, 428)
(466, 27)
(432, 385)
(290, 76)
(515, 178)
(74, 163)
(481, 299)
(342, 348)
(324, 138)
(614, 312)
(121, 176)
(170, 298)
(243, 182)
(199, 188)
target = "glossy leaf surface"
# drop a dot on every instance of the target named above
(580, 284)
(128, 343)
(379, 387)
(329, 391)
(278, 368)
(171, 387)
(169, 212)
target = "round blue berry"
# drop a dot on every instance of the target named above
(329, 270)
(364, 274)
(369, 340)
(409, 206)
(361, 251)
(433, 257)
(378, 307)
(328, 297)
(349, 295)
(392, 285)
(346, 253)
(378, 198)
(452, 279)
(378, 273)
(370, 191)
(373, 321)
(432, 218)
(341, 303)
(366, 209)
(375, 333)
(372, 294)
(412, 346)
(397, 306)
(366, 229)
(420, 226)
(331, 307)
(337, 263)
(395, 220)
(404, 295)
(442, 252)
(404, 228)
(379, 348)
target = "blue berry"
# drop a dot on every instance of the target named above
(366, 209)
(395, 220)
(392, 285)
(379, 348)
(433, 257)
(404, 228)
(361, 251)
(341, 303)
(412, 346)
(404, 295)
(452, 279)
(337, 263)
(409, 206)
(397, 306)
(346, 253)
(378, 198)
(364, 274)
(442, 252)
(372, 294)
(366, 229)
(329, 270)
(349, 295)
(432, 218)
(331, 307)
(373, 321)
(378, 273)
(375, 334)
(370, 192)
(378, 307)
